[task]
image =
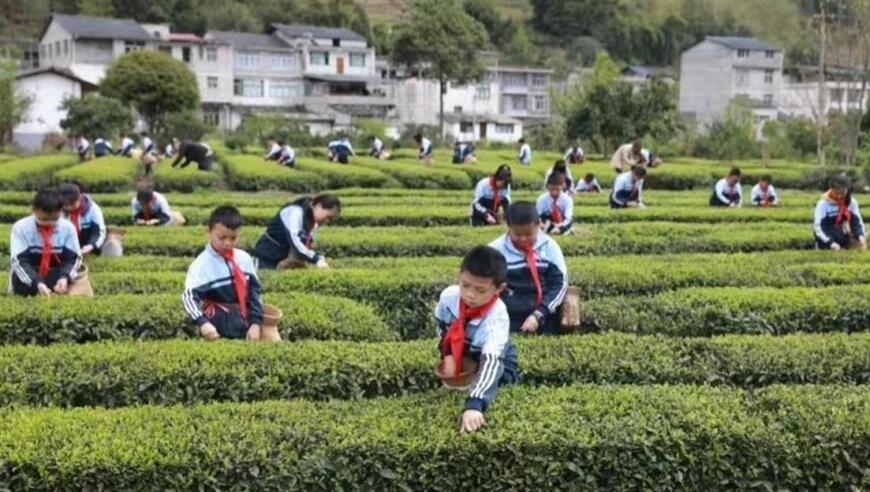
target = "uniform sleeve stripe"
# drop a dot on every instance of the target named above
(488, 372)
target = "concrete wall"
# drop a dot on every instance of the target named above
(802, 98)
(344, 53)
(55, 36)
(48, 91)
(707, 82)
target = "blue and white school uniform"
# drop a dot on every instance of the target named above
(487, 342)
(169, 151)
(426, 148)
(292, 229)
(210, 296)
(127, 146)
(341, 150)
(148, 146)
(287, 156)
(565, 205)
(377, 147)
(574, 155)
(829, 229)
(724, 194)
(569, 179)
(758, 195)
(25, 251)
(462, 152)
(525, 155)
(483, 203)
(157, 209)
(592, 187)
(274, 153)
(521, 293)
(92, 226)
(83, 146)
(625, 190)
(102, 148)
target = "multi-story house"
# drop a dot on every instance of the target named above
(843, 91)
(715, 71)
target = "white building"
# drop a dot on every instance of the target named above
(842, 92)
(48, 87)
(717, 70)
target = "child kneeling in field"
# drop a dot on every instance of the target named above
(838, 223)
(555, 207)
(44, 249)
(289, 236)
(728, 192)
(628, 189)
(222, 291)
(151, 208)
(474, 327)
(764, 194)
(537, 278)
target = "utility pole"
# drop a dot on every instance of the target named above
(822, 114)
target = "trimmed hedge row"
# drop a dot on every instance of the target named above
(119, 374)
(83, 319)
(103, 175)
(717, 311)
(599, 239)
(249, 173)
(417, 175)
(31, 173)
(610, 437)
(167, 178)
(340, 176)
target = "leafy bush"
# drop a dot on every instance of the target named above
(644, 437)
(32, 173)
(104, 174)
(715, 311)
(249, 173)
(341, 176)
(110, 317)
(168, 178)
(418, 175)
(169, 372)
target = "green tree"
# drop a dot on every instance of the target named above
(187, 125)
(732, 136)
(154, 84)
(14, 105)
(443, 41)
(95, 116)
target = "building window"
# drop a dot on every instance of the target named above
(504, 128)
(769, 54)
(483, 92)
(212, 82)
(357, 59)
(247, 59)
(282, 61)
(133, 46)
(516, 103)
(65, 47)
(466, 127)
(539, 80)
(211, 54)
(319, 58)
(768, 99)
(43, 51)
(185, 54)
(540, 104)
(836, 96)
(57, 48)
(283, 89)
(742, 53)
(336, 42)
(457, 109)
(248, 87)
(768, 76)
(211, 118)
(515, 80)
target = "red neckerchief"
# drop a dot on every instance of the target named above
(146, 210)
(764, 193)
(555, 213)
(45, 259)
(240, 282)
(732, 191)
(532, 262)
(75, 218)
(496, 196)
(843, 212)
(633, 192)
(454, 341)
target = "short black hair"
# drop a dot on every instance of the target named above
(555, 179)
(145, 194)
(521, 213)
(327, 201)
(143, 134)
(841, 181)
(638, 171)
(767, 178)
(560, 165)
(227, 215)
(589, 177)
(47, 200)
(522, 140)
(484, 261)
(69, 192)
(735, 171)
(504, 173)
(282, 143)
(418, 137)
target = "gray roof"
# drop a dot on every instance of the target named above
(299, 31)
(63, 72)
(81, 26)
(737, 43)
(248, 40)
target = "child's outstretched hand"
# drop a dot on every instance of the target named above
(43, 289)
(531, 325)
(61, 286)
(472, 420)
(209, 332)
(254, 332)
